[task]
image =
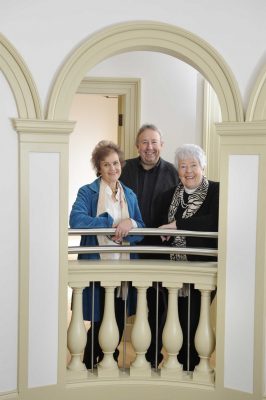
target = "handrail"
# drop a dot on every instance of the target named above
(144, 231)
(142, 249)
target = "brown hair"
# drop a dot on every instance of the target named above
(147, 126)
(102, 150)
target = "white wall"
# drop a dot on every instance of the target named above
(45, 33)
(8, 241)
(241, 262)
(168, 94)
(236, 29)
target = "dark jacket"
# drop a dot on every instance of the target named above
(205, 219)
(167, 177)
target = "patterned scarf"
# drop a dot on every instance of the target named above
(101, 208)
(122, 290)
(195, 201)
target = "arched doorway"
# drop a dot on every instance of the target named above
(151, 36)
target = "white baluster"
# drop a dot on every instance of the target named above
(141, 333)
(172, 334)
(109, 333)
(204, 339)
(76, 334)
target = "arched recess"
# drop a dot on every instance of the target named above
(20, 81)
(257, 105)
(148, 36)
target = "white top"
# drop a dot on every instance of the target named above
(114, 209)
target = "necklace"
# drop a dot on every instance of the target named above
(182, 202)
(115, 190)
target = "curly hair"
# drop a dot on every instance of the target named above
(102, 150)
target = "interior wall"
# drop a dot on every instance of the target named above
(25, 25)
(237, 30)
(8, 241)
(169, 90)
(97, 119)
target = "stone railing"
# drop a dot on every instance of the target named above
(142, 273)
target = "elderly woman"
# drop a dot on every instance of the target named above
(191, 205)
(105, 203)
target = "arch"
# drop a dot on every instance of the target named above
(148, 36)
(257, 105)
(20, 81)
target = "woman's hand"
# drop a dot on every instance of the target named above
(122, 229)
(172, 225)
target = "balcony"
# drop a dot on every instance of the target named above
(142, 274)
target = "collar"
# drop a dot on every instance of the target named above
(151, 169)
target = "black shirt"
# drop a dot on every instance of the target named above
(147, 180)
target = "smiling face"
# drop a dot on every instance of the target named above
(110, 169)
(149, 147)
(190, 172)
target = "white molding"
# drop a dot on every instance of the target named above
(151, 36)
(211, 140)
(20, 80)
(43, 131)
(257, 104)
(128, 90)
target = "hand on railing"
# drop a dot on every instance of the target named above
(122, 230)
(165, 231)
(144, 231)
(172, 225)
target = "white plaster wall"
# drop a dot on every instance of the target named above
(45, 33)
(8, 241)
(240, 272)
(236, 29)
(168, 94)
(43, 268)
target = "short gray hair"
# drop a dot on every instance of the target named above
(190, 151)
(148, 126)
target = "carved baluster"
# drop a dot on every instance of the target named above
(204, 339)
(172, 334)
(109, 333)
(141, 333)
(76, 334)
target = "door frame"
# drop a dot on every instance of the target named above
(128, 92)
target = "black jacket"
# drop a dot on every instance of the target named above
(167, 177)
(205, 219)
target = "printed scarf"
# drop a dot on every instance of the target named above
(195, 201)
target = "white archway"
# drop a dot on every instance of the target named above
(20, 81)
(149, 36)
(257, 105)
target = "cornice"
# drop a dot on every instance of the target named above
(256, 128)
(36, 127)
(43, 131)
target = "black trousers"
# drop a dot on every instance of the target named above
(189, 319)
(155, 321)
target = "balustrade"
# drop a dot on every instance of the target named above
(142, 273)
(172, 333)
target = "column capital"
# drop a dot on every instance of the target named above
(46, 131)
